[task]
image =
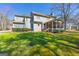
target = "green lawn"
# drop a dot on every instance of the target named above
(40, 44)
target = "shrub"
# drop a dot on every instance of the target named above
(56, 30)
(21, 29)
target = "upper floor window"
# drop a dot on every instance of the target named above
(19, 19)
(37, 17)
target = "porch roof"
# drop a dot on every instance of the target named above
(37, 22)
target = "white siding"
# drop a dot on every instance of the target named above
(42, 19)
(39, 18)
(19, 19)
(18, 25)
(37, 27)
(27, 23)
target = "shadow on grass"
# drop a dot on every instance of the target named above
(40, 43)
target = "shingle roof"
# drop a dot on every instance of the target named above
(22, 16)
(43, 15)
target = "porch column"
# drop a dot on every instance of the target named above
(60, 24)
(56, 24)
(52, 26)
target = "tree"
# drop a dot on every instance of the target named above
(3, 22)
(64, 11)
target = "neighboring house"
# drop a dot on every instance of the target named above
(71, 27)
(38, 22)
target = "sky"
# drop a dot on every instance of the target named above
(11, 9)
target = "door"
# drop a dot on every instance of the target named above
(37, 27)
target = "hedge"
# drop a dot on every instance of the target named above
(21, 29)
(56, 31)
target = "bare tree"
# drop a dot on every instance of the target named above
(4, 21)
(65, 11)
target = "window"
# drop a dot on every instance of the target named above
(38, 24)
(23, 19)
(37, 17)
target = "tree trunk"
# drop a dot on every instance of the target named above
(64, 25)
(65, 19)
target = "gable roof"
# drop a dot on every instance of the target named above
(43, 15)
(22, 16)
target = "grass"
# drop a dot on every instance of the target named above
(40, 44)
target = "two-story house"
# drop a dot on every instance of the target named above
(37, 22)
